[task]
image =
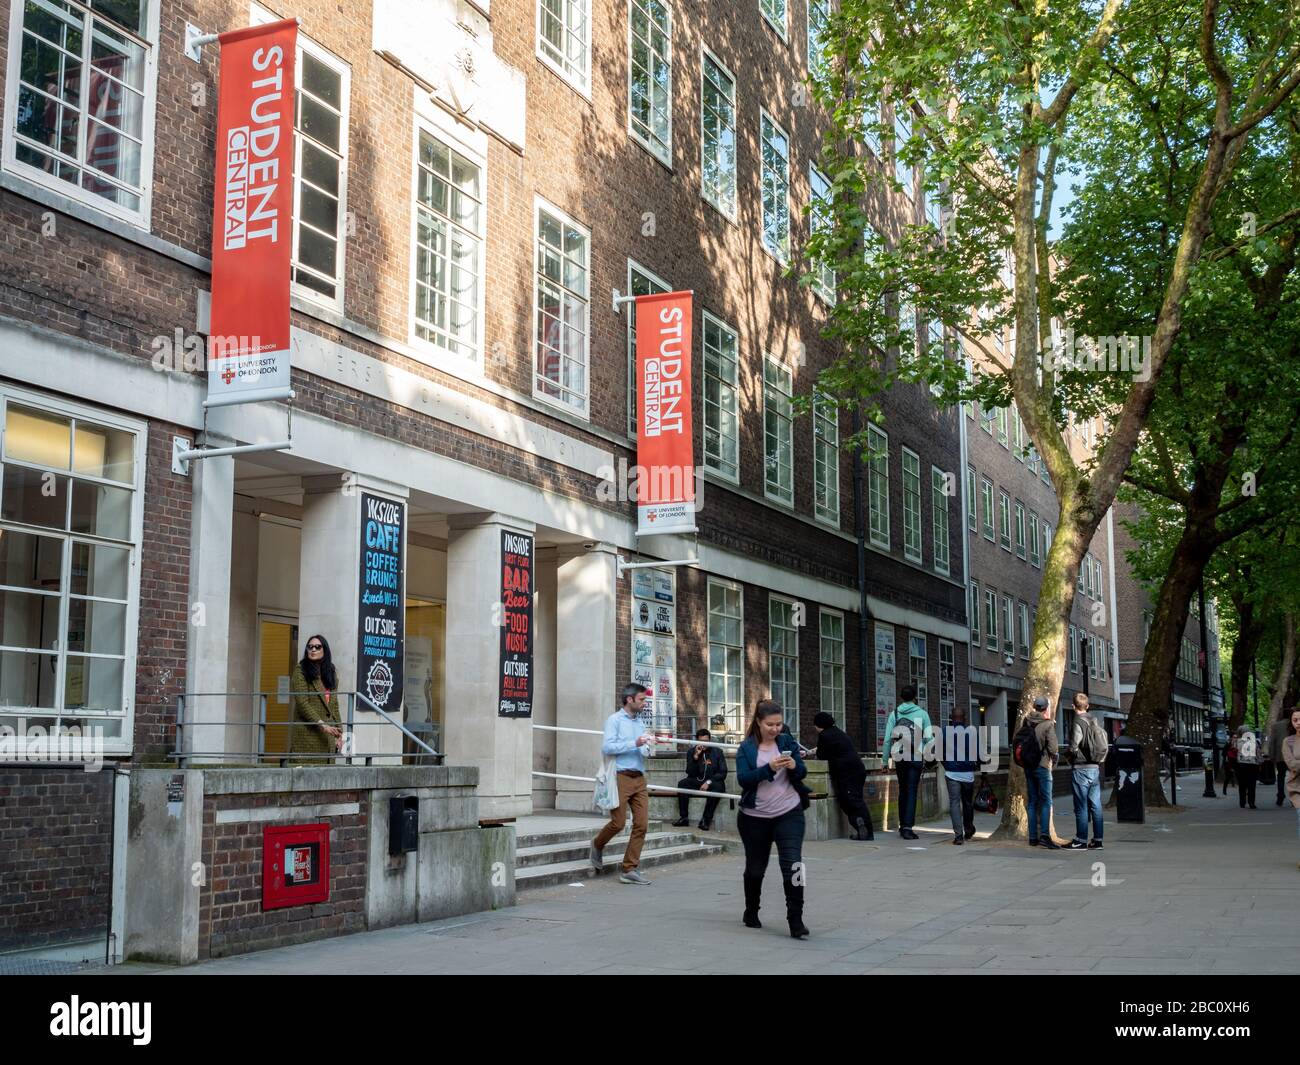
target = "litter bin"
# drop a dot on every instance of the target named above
(1129, 803)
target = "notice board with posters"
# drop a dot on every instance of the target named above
(654, 645)
(885, 671)
(516, 672)
(381, 617)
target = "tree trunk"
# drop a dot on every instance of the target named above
(1046, 672)
(1249, 634)
(1278, 699)
(1148, 715)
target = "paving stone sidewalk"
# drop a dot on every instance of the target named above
(1209, 888)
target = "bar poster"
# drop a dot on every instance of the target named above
(516, 625)
(382, 616)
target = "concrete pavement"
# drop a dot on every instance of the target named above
(1206, 889)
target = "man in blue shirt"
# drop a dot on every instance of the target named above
(625, 736)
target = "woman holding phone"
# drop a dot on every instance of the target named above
(772, 801)
(314, 690)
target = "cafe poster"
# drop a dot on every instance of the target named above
(382, 616)
(516, 625)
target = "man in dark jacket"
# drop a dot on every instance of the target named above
(960, 759)
(848, 774)
(706, 770)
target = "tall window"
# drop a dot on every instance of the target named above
(448, 248)
(973, 609)
(939, 511)
(1017, 435)
(986, 494)
(933, 197)
(1092, 656)
(82, 85)
(1022, 630)
(650, 76)
(832, 664)
(718, 136)
(1047, 541)
(640, 282)
(69, 543)
(1035, 558)
(911, 505)
(1004, 520)
(1008, 633)
(878, 485)
(918, 668)
(902, 134)
(775, 150)
(783, 657)
(1001, 416)
(972, 503)
(778, 432)
(562, 310)
(991, 619)
(721, 434)
(907, 332)
(1074, 649)
(726, 656)
(826, 459)
(986, 418)
(819, 11)
(320, 143)
(564, 39)
(947, 681)
(820, 219)
(774, 11)
(1020, 529)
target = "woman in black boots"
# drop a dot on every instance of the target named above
(773, 799)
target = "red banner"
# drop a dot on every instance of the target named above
(665, 452)
(252, 218)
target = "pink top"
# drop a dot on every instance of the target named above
(777, 796)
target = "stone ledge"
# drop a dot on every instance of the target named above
(274, 780)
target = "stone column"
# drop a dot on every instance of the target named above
(544, 679)
(208, 623)
(501, 747)
(587, 671)
(328, 589)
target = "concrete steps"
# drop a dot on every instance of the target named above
(559, 856)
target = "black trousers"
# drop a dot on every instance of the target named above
(909, 785)
(759, 833)
(848, 793)
(1247, 775)
(684, 801)
(1280, 769)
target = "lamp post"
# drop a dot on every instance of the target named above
(1209, 792)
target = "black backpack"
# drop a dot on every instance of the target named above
(913, 735)
(1026, 750)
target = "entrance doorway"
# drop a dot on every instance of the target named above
(425, 680)
(277, 653)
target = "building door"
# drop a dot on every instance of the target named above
(277, 653)
(422, 699)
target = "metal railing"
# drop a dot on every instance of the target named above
(349, 752)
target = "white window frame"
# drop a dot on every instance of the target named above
(813, 64)
(430, 352)
(921, 681)
(972, 504)
(540, 204)
(825, 283)
(784, 257)
(788, 422)
(664, 152)
(705, 193)
(826, 438)
(141, 219)
(989, 522)
(581, 83)
(877, 478)
(1004, 521)
(732, 475)
(124, 744)
(991, 619)
(781, 30)
(708, 611)
(1035, 545)
(1021, 531)
(1074, 649)
(834, 704)
(912, 521)
(939, 520)
(630, 325)
(1008, 625)
(904, 123)
(1024, 637)
(791, 712)
(974, 604)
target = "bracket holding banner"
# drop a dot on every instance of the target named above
(195, 39)
(619, 299)
(623, 567)
(183, 450)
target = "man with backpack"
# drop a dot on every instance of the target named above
(907, 731)
(1035, 751)
(1088, 750)
(1247, 766)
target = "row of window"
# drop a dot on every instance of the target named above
(1006, 425)
(1090, 583)
(940, 490)
(1100, 653)
(726, 629)
(1033, 535)
(1007, 624)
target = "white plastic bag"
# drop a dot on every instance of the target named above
(605, 796)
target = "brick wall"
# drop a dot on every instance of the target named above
(55, 855)
(231, 918)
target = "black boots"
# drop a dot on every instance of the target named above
(753, 894)
(794, 910)
(863, 830)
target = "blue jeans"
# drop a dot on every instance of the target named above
(1087, 800)
(1039, 799)
(909, 783)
